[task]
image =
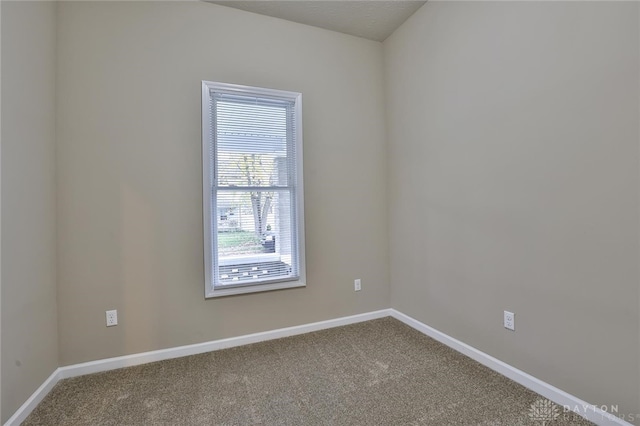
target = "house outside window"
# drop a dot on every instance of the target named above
(252, 189)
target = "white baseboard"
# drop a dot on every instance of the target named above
(177, 352)
(558, 396)
(35, 399)
(550, 392)
(215, 345)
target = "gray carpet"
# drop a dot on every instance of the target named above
(379, 372)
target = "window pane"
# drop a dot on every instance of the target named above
(254, 236)
(251, 133)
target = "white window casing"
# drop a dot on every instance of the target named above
(253, 205)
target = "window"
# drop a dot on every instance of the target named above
(252, 189)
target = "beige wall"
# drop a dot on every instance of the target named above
(513, 158)
(129, 164)
(29, 323)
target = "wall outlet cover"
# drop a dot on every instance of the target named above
(509, 320)
(112, 318)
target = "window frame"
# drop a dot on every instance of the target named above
(209, 191)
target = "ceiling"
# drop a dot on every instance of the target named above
(373, 19)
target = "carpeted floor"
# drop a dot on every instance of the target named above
(379, 372)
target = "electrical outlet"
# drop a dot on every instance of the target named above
(510, 320)
(112, 318)
(357, 285)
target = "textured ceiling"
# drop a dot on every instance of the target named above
(375, 20)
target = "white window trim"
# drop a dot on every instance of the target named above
(209, 249)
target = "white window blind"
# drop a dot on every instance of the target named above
(252, 189)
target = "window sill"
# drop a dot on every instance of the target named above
(258, 288)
